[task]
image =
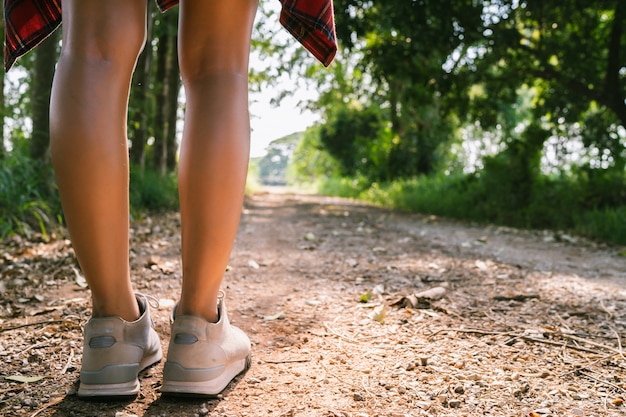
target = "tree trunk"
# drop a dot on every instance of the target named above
(43, 73)
(159, 148)
(173, 88)
(140, 108)
(167, 86)
(3, 151)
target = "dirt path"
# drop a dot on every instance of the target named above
(519, 322)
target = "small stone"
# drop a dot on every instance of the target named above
(203, 411)
(358, 397)
(577, 412)
(454, 403)
(29, 402)
(459, 389)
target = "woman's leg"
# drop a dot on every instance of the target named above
(101, 42)
(214, 44)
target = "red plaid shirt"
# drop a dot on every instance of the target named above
(28, 22)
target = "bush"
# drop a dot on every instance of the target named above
(552, 203)
(151, 191)
(29, 199)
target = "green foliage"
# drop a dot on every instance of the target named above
(569, 52)
(607, 224)
(343, 186)
(29, 200)
(557, 203)
(311, 161)
(357, 138)
(152, 191)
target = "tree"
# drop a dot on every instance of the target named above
(2, 104)
(571, 53)
(167, 87)
(140, 106)
(403, 45)
(42, 74)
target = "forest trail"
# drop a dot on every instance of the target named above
(353, 311)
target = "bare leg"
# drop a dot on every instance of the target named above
(101, 42)
(214, 47)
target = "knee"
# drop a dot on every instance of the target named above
(202, 67)
(106, 48)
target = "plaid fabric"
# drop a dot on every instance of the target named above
(28, 22)
(312, 23)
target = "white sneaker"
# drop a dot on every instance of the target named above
(204, 357)
(114, 353)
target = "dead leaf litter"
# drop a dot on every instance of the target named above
(353, 311)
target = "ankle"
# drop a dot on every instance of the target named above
(127, 311)
(209, 314)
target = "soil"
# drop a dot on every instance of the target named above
(352, 310)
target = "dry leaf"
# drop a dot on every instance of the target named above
(379, 314)
(79, 278)
(364, 298)
(278, 316)
(26, 379)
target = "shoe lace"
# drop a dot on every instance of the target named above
(151, 299)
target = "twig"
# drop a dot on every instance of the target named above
(50, 404)
(336, 333)
(606, 310)
(565, 345)
(477, 331)
(37, 323)
(45, 343)
(15, 388)
(592, 343)
(619, 343)
(67, 364)
(528, 338)
(287, 361)
(602, 381)
(578, 368)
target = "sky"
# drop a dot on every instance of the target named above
(269, 123)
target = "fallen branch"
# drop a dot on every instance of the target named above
(37, 323)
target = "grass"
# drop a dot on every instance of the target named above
(29, 201)
(556, 204)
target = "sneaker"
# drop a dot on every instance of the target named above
(204, 357)
(114, 353)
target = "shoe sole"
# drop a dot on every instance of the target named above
(206, 389)
(124, 389)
